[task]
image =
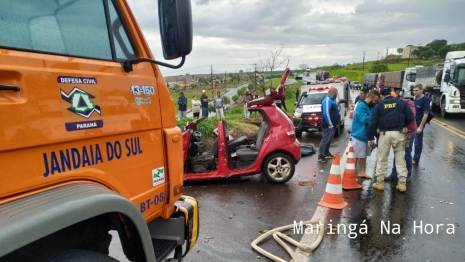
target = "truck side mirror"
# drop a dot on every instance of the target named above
(447, 76)
(175, 18)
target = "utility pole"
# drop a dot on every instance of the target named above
(387, 48)
(211, 75)
(363, 63)
(255, 76)
(377, 58)
(408, 61)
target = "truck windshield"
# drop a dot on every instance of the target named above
(58, 27)
(411, 77)
(313, 99)
(381, 78)
(461, 75)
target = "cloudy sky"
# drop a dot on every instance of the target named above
(231, 35)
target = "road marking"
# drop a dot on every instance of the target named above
(320, 214)
(449, 128)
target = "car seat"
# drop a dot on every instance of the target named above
(232, 144)
(249, 153)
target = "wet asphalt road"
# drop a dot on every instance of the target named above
(233, 211)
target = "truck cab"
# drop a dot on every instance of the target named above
(308, 116)
(453, 84)
(409, 82)
(89, 142)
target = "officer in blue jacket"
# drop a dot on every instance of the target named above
(329, 122)
(391, 117)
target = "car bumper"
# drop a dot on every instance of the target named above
(301, 125)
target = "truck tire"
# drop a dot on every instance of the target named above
(73, 255)
(444, 114)
(298, 133)
(278, 168)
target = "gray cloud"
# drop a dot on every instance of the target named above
(318, 32)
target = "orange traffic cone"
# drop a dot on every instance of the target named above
(333, 193)
(351, 114)
(349, 181)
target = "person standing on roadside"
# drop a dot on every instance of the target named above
(247, 98)
(255, 95)
(422, 109)
(362, 95)
(391, 116)
(204, 103)
(283, 101)
(329, 121)
(360, 123)
(297, 93)
(196, 107)
(218, 101)
(182, 103)
(409, 137)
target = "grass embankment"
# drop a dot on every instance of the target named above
(235, 117)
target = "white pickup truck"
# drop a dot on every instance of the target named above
(307, 113)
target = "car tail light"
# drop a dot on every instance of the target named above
(290, 130)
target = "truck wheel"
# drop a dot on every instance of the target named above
(444, 114)
(278, 168)
(73, 255)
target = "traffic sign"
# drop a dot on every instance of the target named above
(359, 78)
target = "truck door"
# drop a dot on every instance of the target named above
(70, 109)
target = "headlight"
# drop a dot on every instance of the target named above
(455, 101)
(297, 114)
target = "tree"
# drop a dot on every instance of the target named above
(437, 44)
(400, 50)
(303, 66)
(376, 68)
(226, 100)
(274, 60)
(415, 53)
(428, 54)
(459, 47)
(442, 52)
(241, 91)
(234, 98)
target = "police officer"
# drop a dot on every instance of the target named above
(391, 117)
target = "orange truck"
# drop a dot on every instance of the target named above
(88, 139)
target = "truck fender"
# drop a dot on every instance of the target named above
(33, 217)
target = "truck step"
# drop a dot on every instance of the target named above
(162, 248)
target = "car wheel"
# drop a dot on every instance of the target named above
(298, 133)
(278, 168)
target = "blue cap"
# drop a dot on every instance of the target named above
(385, 90)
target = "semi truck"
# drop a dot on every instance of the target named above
(409, 82)
(89, 142)
(370, 80)
(394, 79)
(321, 75)
(446, 88)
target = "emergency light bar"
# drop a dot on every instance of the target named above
(318, 88)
